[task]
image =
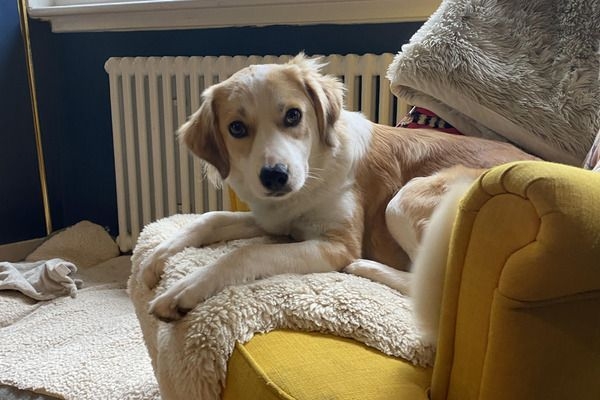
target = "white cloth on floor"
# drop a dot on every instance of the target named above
(40, 280)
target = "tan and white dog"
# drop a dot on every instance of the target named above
(353, 195)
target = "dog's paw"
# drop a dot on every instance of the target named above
(167, 307)
(396, 279)
(365, 268)
(356, 267)
(152, 267)
(184, 295)
(150, 273)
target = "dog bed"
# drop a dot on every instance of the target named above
(88, 346)
(190, 356)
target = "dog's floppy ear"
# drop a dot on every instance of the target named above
(201, 134)
(326, 93)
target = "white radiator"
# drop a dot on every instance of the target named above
(152, 96)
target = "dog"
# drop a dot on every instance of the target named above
(352, 195)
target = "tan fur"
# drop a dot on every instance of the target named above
(395, 157)
(341, 197)
(209, 146)
(350, 236)
(422, 195)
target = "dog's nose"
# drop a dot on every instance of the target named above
(274, 177)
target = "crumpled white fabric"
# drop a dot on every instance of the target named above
(40, 280)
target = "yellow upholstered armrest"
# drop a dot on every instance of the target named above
(521, 309)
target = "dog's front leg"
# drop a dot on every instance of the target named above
(210, 227)
(247, 264)
(378, 272)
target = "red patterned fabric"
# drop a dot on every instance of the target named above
(422, 118)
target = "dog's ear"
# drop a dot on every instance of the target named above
(326, 93)
(201, 134)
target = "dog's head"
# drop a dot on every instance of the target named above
(264, 126)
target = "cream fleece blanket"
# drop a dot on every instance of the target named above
(523, 71)
(190, 356)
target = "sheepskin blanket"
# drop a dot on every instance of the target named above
(190, 356)
(522, 71)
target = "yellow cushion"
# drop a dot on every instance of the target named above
(299, 365)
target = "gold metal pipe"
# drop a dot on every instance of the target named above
(22, 5)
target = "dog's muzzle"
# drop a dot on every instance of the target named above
(275, 178)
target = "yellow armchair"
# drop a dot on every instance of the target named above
(521, 308)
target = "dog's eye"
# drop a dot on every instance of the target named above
(237, 129)
(292, 117)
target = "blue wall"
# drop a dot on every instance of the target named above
(74, 93)
(21, 212)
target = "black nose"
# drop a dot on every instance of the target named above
(274, 177)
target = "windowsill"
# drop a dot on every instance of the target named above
(190, 14)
